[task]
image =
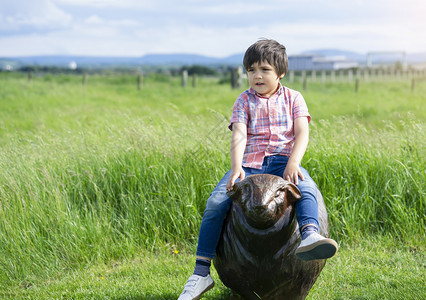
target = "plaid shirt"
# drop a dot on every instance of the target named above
(270, 123)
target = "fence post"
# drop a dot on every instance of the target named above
(236, 77)
(184, 78)
(84, 80)
(239, 77)
(357, 77)
(323, 76)
(233, 79)
(304, 79)
(366, 75)
(391, 74)
(139, 82)
(398, 74)
(314, 75)
(341, 75)
(350, 75)
(291, 79)
(404, 73)
(194, 80)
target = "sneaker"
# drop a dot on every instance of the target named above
(196, 286)
(315, 246)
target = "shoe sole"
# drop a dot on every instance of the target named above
(322, 249)
(207, 288)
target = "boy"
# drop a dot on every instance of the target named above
(270, 134)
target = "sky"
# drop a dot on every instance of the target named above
(218, 28)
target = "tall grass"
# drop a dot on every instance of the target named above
(98, 173)
(373, 180)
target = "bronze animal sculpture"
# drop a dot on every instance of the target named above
(255, 256)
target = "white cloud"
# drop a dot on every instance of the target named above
(125, 23)
(133, 4)
(94, 19)
(43, 14)
(218, 28)
(228, 8)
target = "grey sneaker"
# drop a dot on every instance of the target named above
(315, 246)
(196, 286)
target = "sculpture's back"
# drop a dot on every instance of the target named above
(255, 256)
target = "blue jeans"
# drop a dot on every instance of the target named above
(219, 203)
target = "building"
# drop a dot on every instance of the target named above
(318, 62)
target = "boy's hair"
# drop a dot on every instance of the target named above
(267, 50)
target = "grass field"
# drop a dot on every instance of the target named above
(102, 187)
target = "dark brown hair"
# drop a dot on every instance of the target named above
(267, 50)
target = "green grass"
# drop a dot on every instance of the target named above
(105, 174)
(373, 269)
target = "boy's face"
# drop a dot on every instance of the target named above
(263, 78)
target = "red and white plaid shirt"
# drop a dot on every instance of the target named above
(270, 123)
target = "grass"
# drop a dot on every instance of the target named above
(373, 269)
(105, 175)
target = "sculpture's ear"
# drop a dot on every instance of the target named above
(292, 193)
(235, 193)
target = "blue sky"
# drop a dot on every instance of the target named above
(215, 28)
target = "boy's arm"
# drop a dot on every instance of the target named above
(238, 145)
(301, 134)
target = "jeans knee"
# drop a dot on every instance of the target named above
(307, 186)
(217, 204)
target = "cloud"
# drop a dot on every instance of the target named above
(218, 28)
(95, 20)
(26, 15)
(130, 4)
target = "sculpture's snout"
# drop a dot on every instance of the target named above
(259, 209)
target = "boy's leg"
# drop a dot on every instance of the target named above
(313, 245)
(214, 216)
(307, 206)
(211, 227)
(217, 208)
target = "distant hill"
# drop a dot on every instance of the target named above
(179, 59)
(65, 60)
(176, 60)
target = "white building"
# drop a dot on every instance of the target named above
(317, 62)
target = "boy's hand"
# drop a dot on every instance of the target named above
(239, 173)
(292, 173)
